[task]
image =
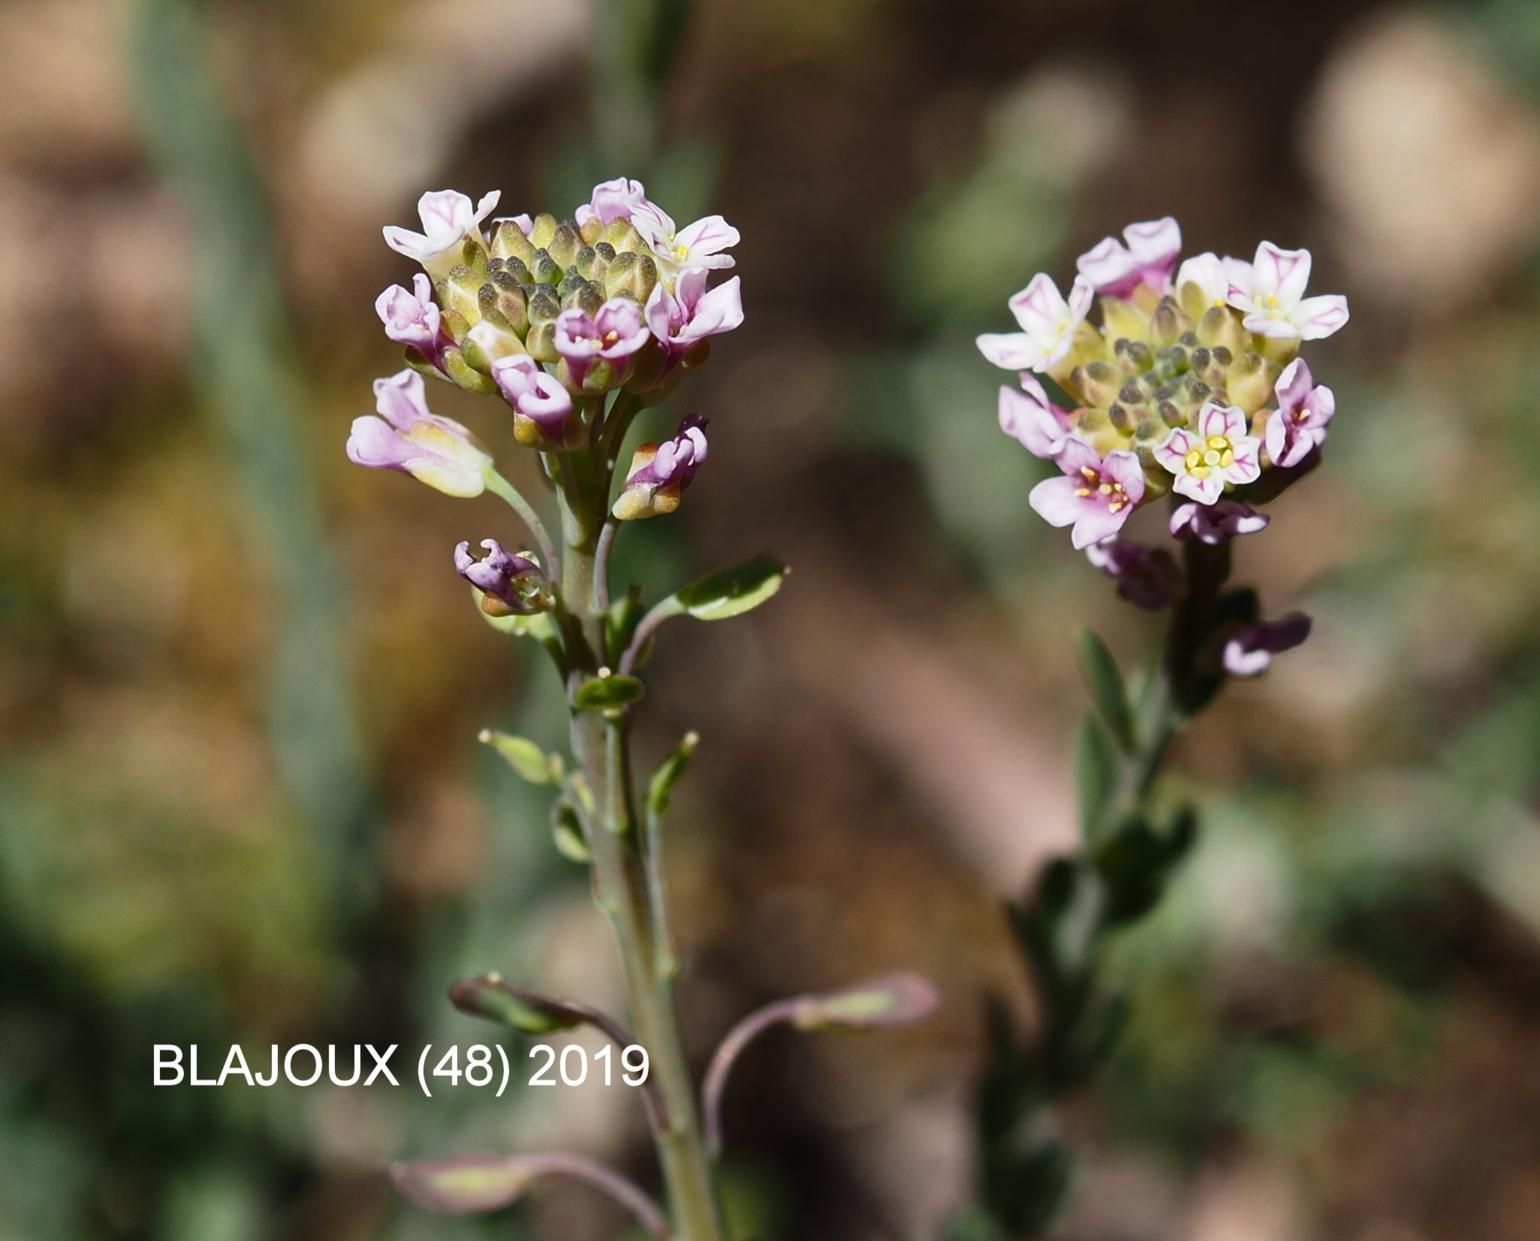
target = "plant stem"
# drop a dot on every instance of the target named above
(500, 486)
(600, 745)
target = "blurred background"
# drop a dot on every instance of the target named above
(240, 799)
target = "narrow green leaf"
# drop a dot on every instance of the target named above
(1109, 694)
(495, 998)
(890, 1000)
(607, 693)
(1095, 771)
(567, 832)
(526, 758)
(463, 1184)
(661, 787)
(734, 590)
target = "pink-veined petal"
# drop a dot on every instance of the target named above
(1056, 501)
(1318, 317)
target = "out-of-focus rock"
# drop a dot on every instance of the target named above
(1431, 166)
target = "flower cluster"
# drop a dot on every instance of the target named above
(576, 324)
(1191, 386)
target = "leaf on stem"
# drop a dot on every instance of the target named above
(567, 832)
(732, 591)
(1096, 766)
(897, 999)
(1109, 693)
(462, 1184)
(528, 760)
(607, 692)
(495, 998)
(661, 787)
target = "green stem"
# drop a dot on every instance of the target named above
(601, 747)
(500, 486)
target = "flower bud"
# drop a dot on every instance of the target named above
(510, 585)
(509, 241)
(622, 235)
(459, 293)
(542, 229)
(660, 472)
(633, 275)
(489, 341)
(1251, 381)
(543, 269)
(565, 243)
(1123, 320)
(1097, 383)
(591, 229)
(579, 294)
(593, 261)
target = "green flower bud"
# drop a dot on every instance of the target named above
(565, 243)
(1096, 382)
(591, 264)
(459, 291)
(585, 295)
(544, 269)
(592, 229)
(510, 300)
(634, 275)
(1122, 319)
(1167, 325)
(509, 242)
(544, 229)
(1251, 381)
(465, 375)
(1220, 326)
(622, 235)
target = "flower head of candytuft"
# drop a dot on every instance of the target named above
(1190, 367)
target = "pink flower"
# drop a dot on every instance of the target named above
(1216, 523)
(701, 244)
(690, 313)
(447, 218)
(1149, 258)
(1032, 420)
(611, 201)
(1271, 292)
(408, 437)
(660, 472)
(1250, 649)
(614, 334)
(1048, 324)
(514, 583)
(534, 393)
(1095, 496)
(1147, 577)
(411, 318)
(1211, 274)
(1220, 453)
(1299, 423)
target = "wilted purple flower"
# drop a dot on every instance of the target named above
(408, 437)
(611, 201)
(447, 217)
(691, 312)
(1149, 258)
(1048, 324)
(660, 472)
(534, 393)
(701, 244)
(1216, 523)
(1250, 649)
(513, 584)
(1220, 453)
(1095, 496)
(614, 334)
(1270, 290)
(411, 317)
(1147, 577)
(1299, 424)
(1032, 420)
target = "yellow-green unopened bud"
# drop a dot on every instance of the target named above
(564, 244)
(633, 275)
(509, 242)
(544, 229)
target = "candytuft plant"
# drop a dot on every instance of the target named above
(573, 327)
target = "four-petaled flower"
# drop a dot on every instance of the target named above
(1270, 291)
(613, 334)
(1032, 420)
(1299, 423)
(1147, 577)
(701, 244)
(1250, 649)
(611, 201)
(1220, 453)
(411, 317)
(1048, 324)
(1095, 495)
(408, 437)
(1148, 258)
(512, 584)
(448, 217)
(691, 312)
(534, 393)
(1216, 523)
(660, 472)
